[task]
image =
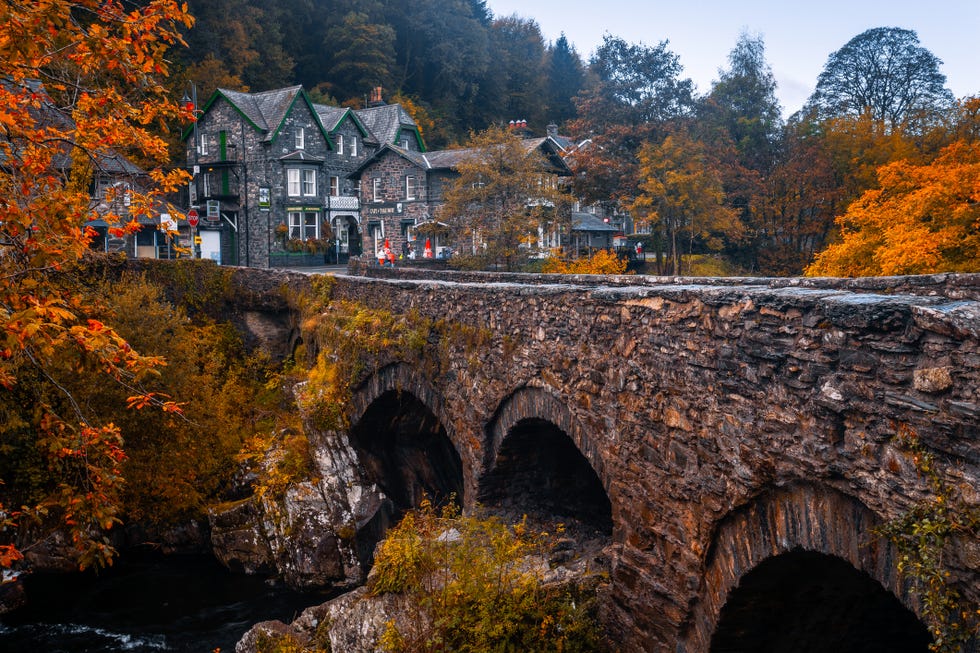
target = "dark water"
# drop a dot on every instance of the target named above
(174, 604)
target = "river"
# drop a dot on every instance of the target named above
(175, 604)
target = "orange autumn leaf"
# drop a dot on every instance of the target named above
(923, 219)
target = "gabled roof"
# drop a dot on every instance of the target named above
(387, 121)
(333, 117)
(267, 111)
(450, 159)
(417, 158)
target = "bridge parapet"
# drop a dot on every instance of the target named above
(949, 285)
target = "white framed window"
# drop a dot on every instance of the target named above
(203, 147)
(353, 146)
(410, 187)
(376, 189)
(404, 143)
(300, 138)
(292, 182)
(309, 182)
(304, 225)
(340, 143)
(334, 186)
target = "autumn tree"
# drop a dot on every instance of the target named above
(740, 121)
(82, 83)
(506, 192)
(246, 36)
(638, 93)
(681, 197)
(923, 219)
(884, 73)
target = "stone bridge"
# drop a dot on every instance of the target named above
(734, 440)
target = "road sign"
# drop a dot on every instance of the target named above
(192, 217)
(197, 240)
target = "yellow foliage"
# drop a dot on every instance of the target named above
(603, 261)
(923, 219)
(475, 588)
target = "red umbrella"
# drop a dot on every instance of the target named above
(428, 249)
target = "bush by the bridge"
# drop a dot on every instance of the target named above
(478, 584)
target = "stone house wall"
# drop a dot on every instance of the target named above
(394, 212)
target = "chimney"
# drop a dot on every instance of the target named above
(552, 130)
(376, 100)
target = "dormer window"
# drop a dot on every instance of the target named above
(300, 138)
(340, 143)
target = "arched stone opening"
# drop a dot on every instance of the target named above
(777, 532)
(808, 602)
(405, 450)
(540, 472)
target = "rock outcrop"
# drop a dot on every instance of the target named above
(313, 533)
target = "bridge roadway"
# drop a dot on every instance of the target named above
(734, 440)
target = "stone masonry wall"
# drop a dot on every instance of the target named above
(728, 420)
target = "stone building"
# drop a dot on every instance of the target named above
(271, 175)
(401, 189)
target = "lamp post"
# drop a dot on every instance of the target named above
(189, 102)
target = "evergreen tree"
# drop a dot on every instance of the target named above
(363, 56)
(566, 78)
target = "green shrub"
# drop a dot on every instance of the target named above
(476, 587)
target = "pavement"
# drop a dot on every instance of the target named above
(320, 269)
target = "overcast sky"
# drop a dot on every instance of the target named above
(798, 37)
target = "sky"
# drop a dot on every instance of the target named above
(798, 37)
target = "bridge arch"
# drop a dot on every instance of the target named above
(404, 446)
(786, 565)
(537, 461)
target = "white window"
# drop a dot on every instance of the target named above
(309, 182)
(404, 143)
(292, 182)
(304, 225)
(376, 189)
(334, 186)
(300, 138)
(410, 187)
(340, 143)
(204, 145)
(353, 146)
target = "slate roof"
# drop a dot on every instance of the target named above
(450, 159)
(588, 222)
(266, 110)
(300, 155)
(385, 122)
(330, 116)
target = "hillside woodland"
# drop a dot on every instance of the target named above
(721, 173)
